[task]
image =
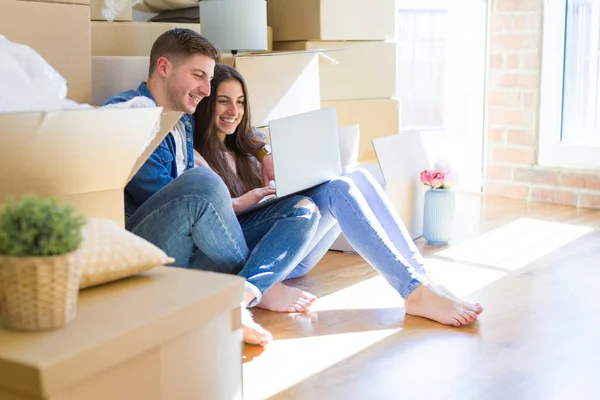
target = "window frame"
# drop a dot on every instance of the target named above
(551, 151)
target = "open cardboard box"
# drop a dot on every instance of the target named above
(85, 157)
(280, 84)
(59, 31)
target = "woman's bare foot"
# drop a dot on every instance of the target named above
(282, 298)
(253, 333)
(430, 302)
(475, 307)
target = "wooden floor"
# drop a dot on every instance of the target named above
(534, 267)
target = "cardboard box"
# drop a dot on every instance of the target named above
(129, 38)
(269, 38)
(376, 117)
(169, 333)
(332, 19)
(42, 26)
(279, 84)
(401, 159)
(85, 157)
(373, 62)
(96, 7)
(112, 75)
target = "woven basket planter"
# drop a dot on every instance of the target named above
(38, 293)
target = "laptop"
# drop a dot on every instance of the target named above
(306, 152)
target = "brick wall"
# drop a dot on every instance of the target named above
(513, 94)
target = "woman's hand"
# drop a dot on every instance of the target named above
(251, 198)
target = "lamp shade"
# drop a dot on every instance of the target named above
(235, 25)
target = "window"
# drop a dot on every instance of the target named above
(441, 79)
(570, 88)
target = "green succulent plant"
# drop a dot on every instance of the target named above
(35, 226)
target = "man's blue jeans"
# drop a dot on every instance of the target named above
(192, 220)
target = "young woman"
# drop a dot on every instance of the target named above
(353, 203)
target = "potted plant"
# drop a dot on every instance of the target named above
(438, 213)
(39, 281)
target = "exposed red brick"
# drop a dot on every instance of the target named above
(530, 99)
(547, 177)
(525, 156)
(498, 172)
(506, 190)
(572, 179)
(528, 22)
(511, 61)
(512, 118)
(524, 80)
(518, 5)
(513, 42)
(521, 138)
(503, 98)
(581, 180)
(496, 135)
(553, 196)
(592, 182)
(589, 200)
(530, 61)
(502, 22)
(496, 61)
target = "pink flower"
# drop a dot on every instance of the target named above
(426, 177)
(437, 179)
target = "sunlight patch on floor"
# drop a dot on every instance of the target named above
(516, 244)
(291, 361)
(375, 293)
(461, 279)
(372, 293)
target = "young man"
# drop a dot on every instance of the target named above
(187, 211)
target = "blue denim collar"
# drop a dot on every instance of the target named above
(144, 91)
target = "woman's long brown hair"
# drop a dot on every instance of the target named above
(241, 143)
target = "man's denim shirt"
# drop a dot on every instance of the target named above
(160, 169)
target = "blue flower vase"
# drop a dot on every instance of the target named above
(438, 216)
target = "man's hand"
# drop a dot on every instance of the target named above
(268, 172)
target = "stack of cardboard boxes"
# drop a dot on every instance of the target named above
(360, 36)
(120, 58)
(362, 86)
(121, 48)
(86, 157)
(59, 30)
(124, 37)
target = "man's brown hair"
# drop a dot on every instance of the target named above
(180, 43)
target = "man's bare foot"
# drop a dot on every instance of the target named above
(282, 298)
(475, 307)
(430, 302)
(253, 333)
